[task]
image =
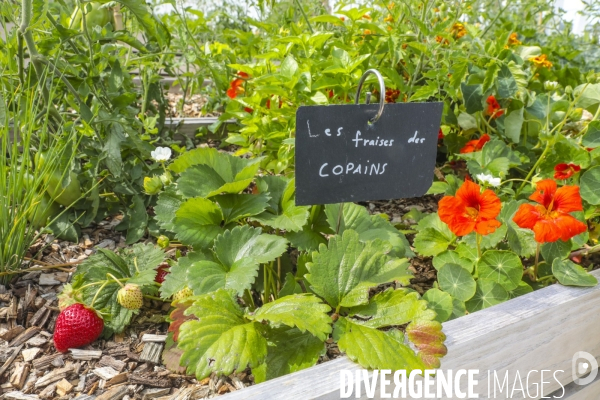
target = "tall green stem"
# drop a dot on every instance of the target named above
(535, 266)
(305, 16)
(535, 166)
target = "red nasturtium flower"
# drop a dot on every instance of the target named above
(470, 210)
(565, 171)
(475, 145)
(440, 134)
(494, 109)
(550, 219)
(235, 88)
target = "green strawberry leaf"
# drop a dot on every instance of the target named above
(166, 206)
(198, 222)
(282, 212)
(434, 236)
(571, 274)
(369, 227)
(303, 311)
(391, 308)
(289, 350)
(221, 340)
(374, 349)
(237, 206)
(177, 278)
(229, 167)
(238, 254)
(343, 272)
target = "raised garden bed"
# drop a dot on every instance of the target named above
(538, 331)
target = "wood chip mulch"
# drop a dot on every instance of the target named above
(190, 108)
(124, 366)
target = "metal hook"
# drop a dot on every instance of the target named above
(381, 92)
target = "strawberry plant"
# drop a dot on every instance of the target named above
(288, 334)
(113, 284)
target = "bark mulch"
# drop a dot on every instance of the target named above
(124, 366)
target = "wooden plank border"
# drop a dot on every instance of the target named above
(538, 331)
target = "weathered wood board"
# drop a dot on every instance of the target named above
(538, 331)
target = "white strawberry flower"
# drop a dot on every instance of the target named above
(488, 179)
(161, 154)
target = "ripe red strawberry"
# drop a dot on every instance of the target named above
(161, 273)
(76, 326)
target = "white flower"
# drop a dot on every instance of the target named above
(551, 85)
(161, 154)
(488, 179)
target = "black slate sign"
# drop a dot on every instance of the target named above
(341, 157)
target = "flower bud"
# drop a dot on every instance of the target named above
(569, 90)
(166, 178)
(551, 85)
(162, 242)
(152, 185)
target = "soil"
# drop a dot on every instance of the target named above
(192, 107)
(422, 267)
(124, 366)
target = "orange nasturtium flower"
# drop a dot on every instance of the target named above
(565, 171)
(513, 40)
(236, 85)
(541, 61)
(550, 219)
(494, 109)
(475, 145)
(458, 30)
(235, 88)
(470, 210)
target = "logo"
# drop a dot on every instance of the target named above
(584, 364)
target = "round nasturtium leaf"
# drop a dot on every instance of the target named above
(559, 249)
(457, 281)
(569, 273)
(452, 257)
(520, 290)
(440, 302)
(458, 308)
(488, 293)
(590, 185)
(503, 267)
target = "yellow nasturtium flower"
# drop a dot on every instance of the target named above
(541, 61)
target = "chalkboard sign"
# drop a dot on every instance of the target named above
(342, 157)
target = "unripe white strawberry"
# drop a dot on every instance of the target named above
(183, 294)
(130, 296)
